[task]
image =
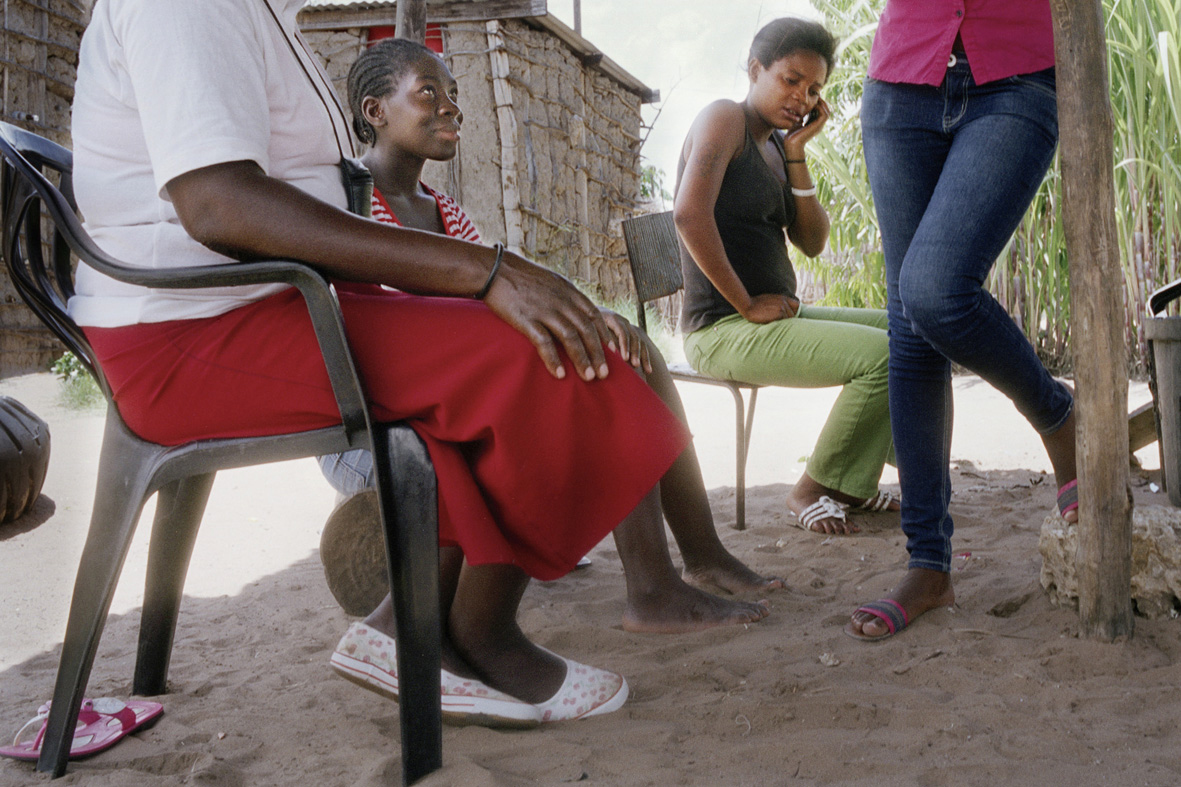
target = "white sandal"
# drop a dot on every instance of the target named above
(824, 508)
(878, 503)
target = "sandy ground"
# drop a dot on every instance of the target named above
(998, 690)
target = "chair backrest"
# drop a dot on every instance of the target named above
(30, 202)
(655, 257)
(27, 197)
(1162, 297)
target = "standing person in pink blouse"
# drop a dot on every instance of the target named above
(959, 119)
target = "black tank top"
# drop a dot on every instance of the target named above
(753, 211)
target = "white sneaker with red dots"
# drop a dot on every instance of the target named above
(368, 658)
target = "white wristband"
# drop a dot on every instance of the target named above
(803, 192)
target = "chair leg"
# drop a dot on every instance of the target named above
(179, 508)
(750, 422)
(409, 509)
(741, 439)
(118, 502)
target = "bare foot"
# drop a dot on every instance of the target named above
(685, 609)
(728, 573)
(807, 493)
(921, 590)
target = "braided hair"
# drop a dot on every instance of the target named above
(781, 37)
(376, 73)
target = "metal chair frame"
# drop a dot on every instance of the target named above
(132, 469)
(654, 255)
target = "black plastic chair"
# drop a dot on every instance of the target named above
(655, 258)
(132, 469)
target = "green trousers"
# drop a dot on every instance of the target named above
(818, 348)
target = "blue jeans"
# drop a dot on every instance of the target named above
(350, 472)
(953, 169)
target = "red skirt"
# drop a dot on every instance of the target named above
(533, 471)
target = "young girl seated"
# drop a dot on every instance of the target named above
(404, 102)
(742, 185)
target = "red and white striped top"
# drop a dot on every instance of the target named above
(456, 223)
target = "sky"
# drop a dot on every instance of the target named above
(692, 51)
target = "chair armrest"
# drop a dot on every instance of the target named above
(320, 298)
(323, 309)
(1163, 296)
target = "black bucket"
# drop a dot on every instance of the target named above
(1164, 343)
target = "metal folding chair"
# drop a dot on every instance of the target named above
(655, 259)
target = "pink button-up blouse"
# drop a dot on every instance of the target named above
(1001, 38)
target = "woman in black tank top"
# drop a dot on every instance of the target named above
(743, 188)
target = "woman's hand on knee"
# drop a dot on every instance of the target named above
(770, 308)
(629, 341)
(551, 312)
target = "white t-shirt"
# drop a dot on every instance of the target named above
(169, 86)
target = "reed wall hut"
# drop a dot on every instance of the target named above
(39, 51)
(550, 158)
(549, 163)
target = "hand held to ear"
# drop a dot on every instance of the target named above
(799, 136)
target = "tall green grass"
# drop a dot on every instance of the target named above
(1145, 69)
(1030, 279)
(79, 391)
(852, 269)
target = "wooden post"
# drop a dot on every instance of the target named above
(410, 20)
(581, 269)
(506, 120)
(1104, 558)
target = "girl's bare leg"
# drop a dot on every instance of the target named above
(450, 567)
(686, 507)
(481, 638)
(483, 629)
(658, 599)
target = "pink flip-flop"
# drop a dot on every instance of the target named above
(1068, 498)
(102, 723)
(888, 611)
